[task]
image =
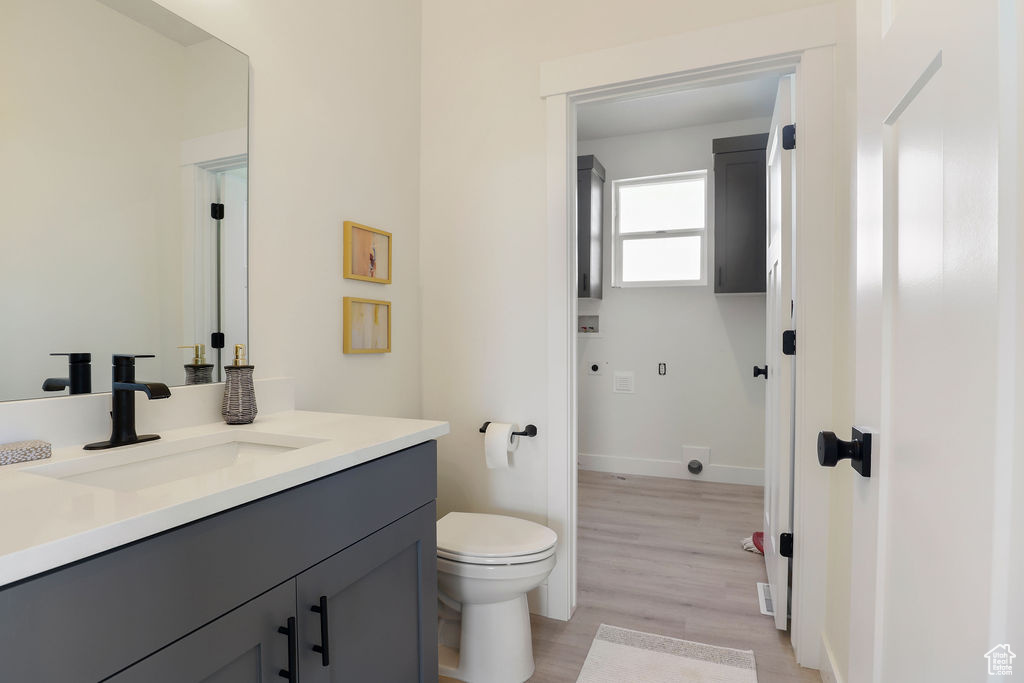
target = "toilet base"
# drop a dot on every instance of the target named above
(494, 644)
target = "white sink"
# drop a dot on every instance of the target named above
(136, 468)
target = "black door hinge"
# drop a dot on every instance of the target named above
(789, 343)
(786, 545)
(217, 211)
(789, 136)
(217, 340)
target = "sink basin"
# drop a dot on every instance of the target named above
(136, 468)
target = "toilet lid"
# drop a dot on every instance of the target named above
(470, 534)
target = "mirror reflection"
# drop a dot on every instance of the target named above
(124, 166)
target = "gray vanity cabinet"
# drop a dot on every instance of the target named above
(740, 213)
(243, 646)
(204, 601)
(589, 225)
(375, 608)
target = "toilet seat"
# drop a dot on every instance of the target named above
(514, 559)
(483, 539)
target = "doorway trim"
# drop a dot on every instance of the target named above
(802, 41)
(201, 159)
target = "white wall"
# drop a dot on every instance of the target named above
(483, 219)
(334, 135)
(710, 342)
(215, 89)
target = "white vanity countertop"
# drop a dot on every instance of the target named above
(47, 522)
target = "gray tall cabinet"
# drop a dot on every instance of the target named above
(589, 225)
(740, 213)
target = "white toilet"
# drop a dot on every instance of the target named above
(486, 564)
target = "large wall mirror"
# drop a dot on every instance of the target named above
(121, 126)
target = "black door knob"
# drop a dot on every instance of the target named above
(832, 449)
(761, 371)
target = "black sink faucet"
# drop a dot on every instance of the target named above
(122, 394)
(79, 379)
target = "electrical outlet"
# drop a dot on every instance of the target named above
(662, 368)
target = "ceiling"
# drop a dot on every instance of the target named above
(748, 99)
(161, 20)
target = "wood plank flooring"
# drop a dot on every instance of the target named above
(664, 556)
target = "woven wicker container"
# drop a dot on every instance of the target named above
(199, 374)
(23, 451)
(239, 404)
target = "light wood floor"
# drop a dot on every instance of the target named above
(664, 556)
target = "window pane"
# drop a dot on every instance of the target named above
(666, 205)
(661, 259)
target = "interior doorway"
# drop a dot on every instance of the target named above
(685, 205)
(671, 287)
(696, 60)
(215, 278)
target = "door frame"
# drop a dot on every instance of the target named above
(201, 159)
(803, 42)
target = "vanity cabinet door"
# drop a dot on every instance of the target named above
(380, 607)
(243, 646)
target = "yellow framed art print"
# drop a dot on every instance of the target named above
(367, 253)
(367, 325)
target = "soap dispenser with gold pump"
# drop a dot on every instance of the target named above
(198, 371)
(239, 404)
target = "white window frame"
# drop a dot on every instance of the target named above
(618, 238)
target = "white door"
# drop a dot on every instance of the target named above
(778, 470)
(929, 576)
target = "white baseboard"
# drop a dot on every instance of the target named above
(648, 467)
(830, 672)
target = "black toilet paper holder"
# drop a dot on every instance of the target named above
(528, 430)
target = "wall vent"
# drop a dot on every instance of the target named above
(623, 383)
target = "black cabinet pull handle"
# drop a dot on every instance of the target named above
(761, 371)
(324, 649)
(291, 673)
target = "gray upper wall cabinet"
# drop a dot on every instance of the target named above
(589, 225)
(740, 213)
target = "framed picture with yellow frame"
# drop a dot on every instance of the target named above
(367, 325)
(367, 253)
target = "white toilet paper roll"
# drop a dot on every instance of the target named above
(499, 443)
